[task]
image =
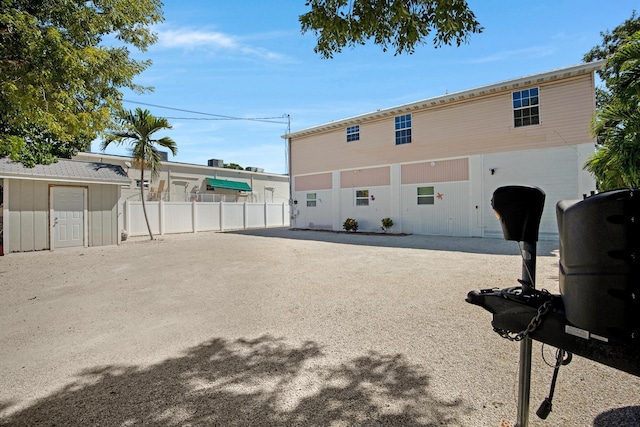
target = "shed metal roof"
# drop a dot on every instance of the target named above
(562, 73)
(66, 170)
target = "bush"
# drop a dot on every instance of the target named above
(387, 223)
(350, 224)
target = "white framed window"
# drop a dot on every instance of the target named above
(353, 133)
(362, 197)
(146, 183)
(426, 196)
(311, 200)
(403, 129)
(526, 107)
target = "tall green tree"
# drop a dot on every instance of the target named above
(611, 42)
(616, 123)
(399, 24)
(58, 82)
(137, 129)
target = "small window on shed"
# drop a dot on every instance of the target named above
(426, 196)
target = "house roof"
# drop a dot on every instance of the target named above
(66, 171)
(562, 73)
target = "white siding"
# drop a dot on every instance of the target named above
(318, 216)
(369, 217)
(28, 219)
(448, 216)
(555, 170)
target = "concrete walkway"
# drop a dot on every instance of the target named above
(279, 327)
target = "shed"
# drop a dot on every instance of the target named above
(70, 203)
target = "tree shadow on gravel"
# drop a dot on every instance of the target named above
(409, 241)
(260, 382)
(629, 416)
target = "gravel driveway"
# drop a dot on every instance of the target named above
(279, 327)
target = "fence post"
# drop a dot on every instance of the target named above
(221, 215)
(127, 216)
(245, 215)
(194, 216)
(284, 214)
(266, 219)
(161, 217)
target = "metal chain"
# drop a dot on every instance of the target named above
(533, 325)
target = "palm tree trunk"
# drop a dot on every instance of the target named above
(144, 207)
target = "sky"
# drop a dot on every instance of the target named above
(233, 76)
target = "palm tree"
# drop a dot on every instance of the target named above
(137, 128)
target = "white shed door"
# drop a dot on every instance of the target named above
(68, 216)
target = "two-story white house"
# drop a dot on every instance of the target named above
(432, 165)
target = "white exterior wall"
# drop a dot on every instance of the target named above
(181, 179)
(557, 171)
(369, 217)
(465, 206)
(318, 217)
(448, 216)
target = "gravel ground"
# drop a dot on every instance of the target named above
(279, 327)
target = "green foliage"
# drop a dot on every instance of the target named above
(137, 129)
(387, 223)
(350, 224)
(611, 42)
(58, 83)
(400, 24)
(616, 124)
(233, 166)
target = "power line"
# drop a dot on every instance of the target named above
(217, 116)
(253, 119)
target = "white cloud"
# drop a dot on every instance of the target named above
(212, 41)
(532, 52)
(191, 39)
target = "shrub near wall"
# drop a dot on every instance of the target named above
(350, 224)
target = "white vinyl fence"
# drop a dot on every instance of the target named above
(191, 217)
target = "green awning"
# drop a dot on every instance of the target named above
(228, 185)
